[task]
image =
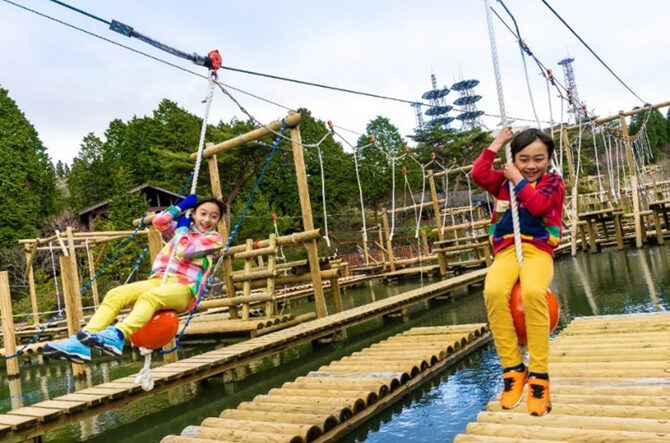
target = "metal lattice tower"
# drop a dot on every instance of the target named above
(467, 100)
(438, 106)
(569, 74)
(418, 113)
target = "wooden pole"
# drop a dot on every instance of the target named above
(270, 287)
(424, 242)
(575, 195)
(71, 253)
(31, 286)
(91, 273)
(215, 182)
(436, 206)
(8, 324)
(366, 254)
(389, 242)
(380, 243)
(621, 113)
(637, 220)
(308, 224)
(68, 267)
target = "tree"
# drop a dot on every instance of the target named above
(656, 127)
(28, 182)
(375, 167)
(86, 181)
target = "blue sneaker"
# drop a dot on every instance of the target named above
(109, 340)
(70, 349)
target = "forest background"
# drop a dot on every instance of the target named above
(37, 196)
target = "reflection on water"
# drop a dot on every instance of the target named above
(608, 283)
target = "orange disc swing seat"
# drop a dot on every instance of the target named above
(158, 331)
(516, 307)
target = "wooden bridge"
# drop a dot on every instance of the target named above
(331, 401)
(45, 416)
(610, 381)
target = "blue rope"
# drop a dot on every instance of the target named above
(231, 237)
(109, 261)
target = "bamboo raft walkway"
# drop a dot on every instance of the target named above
(610, 381)
(45, 416)
(331, 401)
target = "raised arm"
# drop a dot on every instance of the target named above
(482, 170)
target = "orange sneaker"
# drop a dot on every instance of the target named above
(514, 379)
(539, 401)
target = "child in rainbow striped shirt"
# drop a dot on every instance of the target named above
(187, 259)
(540, 197)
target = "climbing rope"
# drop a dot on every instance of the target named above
(503, 120)
(595, 150)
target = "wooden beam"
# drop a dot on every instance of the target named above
(308, 224)
(70, 280)
(621, 113)
(293, 119)
(389, 242)
(30, 275)
(8, 325)
(637, 220)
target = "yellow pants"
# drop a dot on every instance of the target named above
(147, 296)
(535, 276)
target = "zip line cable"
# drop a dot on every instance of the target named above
(182, 54)
(591, 50)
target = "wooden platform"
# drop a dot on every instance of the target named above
(330, 402)
(610, 382)
(42, 417)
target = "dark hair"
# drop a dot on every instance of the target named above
(528, 136)
(216, 201)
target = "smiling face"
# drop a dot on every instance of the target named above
(533, 160)
(207, 216)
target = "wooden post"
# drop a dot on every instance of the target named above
(424, 243)
(223, 230)
(366, 255)
(575, 196)
(337, 304)
(68, 268)
(441, 257)
(8, 324)
(308, 224)
(436, 206)
(155, 243)
(31, 285)
(72, 253)
(637, 220)
(382, 251)
(389, 242)
(91, 273)
(246, 286)
(270, 287)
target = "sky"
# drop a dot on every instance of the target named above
(70, 84)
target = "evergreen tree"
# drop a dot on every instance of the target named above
(656, 127)
(28, 183)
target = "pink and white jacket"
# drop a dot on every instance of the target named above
(195, 252)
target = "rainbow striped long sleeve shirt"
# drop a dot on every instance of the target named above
(540, 206)
(194, 254)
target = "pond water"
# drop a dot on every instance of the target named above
(612, 282)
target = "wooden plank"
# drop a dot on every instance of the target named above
(89, 399)
(42, 414)
(17, 422)
(67, 407)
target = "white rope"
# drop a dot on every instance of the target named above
(90, 270)
(323, 193)
(503, 121)
(595, 149)
(281, 248)
(617, 150)
(196, 169)
(392, 199)
(53, 268)
(560, 137)
(144, 377)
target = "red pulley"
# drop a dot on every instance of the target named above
(216, 60)
(158, 331)
(516, 306)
